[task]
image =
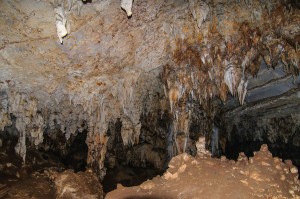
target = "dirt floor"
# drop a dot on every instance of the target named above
(34, 186)
(261, 176)
(52, 183)
(203, 177)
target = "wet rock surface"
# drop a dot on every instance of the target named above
(259, 177)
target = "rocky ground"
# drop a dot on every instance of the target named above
(53, 183)
(203, 177)
(261, 176)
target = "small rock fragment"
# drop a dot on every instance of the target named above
(264, 148)
(251, 160)
(147, 185)
(244, 182)
(255, 176)
(294, 170)
(170, 176)
(276, 159)
(223, 158)
(278, 167)
(194, 162)
(282, 177)
(288, 162)
(182, 168)
(265, 164)
(186, 157)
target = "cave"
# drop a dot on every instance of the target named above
(149, 99)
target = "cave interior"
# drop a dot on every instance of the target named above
(114, 92)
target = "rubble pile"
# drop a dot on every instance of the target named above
(261, 176)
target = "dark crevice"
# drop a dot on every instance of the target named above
(128, 176)
(285, 151)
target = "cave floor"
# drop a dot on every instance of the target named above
(36, 185)
(261, 176)
(203, 177)
(52, 182)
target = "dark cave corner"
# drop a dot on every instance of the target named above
(286, 150)
(76, 159)
(133, 165)
(55, 151)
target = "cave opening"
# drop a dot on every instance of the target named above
(132, 165)
(54, 151)
(76, 158)
(57, 151)
(128, 176)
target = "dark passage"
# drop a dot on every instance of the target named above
(56, 151)
(127, 176)
(77, 155)
(279, 149)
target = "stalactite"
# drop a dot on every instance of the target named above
(199, 10)
(37, 127)
(4, 113)
(231, 77)
(127, 6)
(242, 90)
(61, 22)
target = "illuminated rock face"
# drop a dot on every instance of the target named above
(168, 58)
